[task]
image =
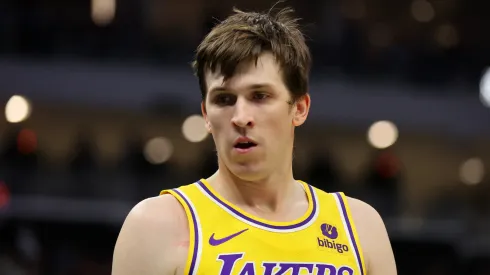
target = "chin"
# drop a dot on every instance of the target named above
(247, 172)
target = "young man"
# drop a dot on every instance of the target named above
(252, 216)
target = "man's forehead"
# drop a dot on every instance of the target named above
(263, 72)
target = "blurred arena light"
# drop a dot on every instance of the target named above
(422, 11)
(485, 88)
(4, 194)
(103, 11)
(382, 134)
(194, 129)
(387, 165)
(158, 150)
(17, 109)
(26, 141)
(447, 36)
(472, 171)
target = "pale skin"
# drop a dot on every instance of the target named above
(253, 103)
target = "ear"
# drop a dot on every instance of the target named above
(301, 109)
(205, 116)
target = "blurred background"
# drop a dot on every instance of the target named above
(101, 110)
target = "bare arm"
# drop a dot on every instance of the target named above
(374, 239)
(150, 238)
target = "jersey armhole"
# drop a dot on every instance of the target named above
(346, 214)
(195, 235)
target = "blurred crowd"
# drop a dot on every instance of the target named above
(429, 42)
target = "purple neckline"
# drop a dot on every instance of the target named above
(259, 223)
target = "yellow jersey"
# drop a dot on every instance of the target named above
(225, 240)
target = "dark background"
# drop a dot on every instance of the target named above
(109, 87)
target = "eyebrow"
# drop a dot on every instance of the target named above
(250, 87)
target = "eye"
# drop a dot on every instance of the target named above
(260, 96)
(224, 99)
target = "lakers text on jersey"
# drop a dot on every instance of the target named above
(226, 240)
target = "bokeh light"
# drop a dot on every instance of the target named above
(158, 150)
(194, 128)
(472, 171)
(17, 109)
(382, 134)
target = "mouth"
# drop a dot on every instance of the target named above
(244, 144)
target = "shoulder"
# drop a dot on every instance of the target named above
(373, 237)
(369, 224)
(364, 214)
(152, 230)
(163, 214)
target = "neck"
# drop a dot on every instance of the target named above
(269, 194)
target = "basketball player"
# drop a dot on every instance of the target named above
(252, 216)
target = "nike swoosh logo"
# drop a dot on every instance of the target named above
(216, 242)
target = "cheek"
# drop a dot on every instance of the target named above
(213, 118)
(217, 123)
(278, 126)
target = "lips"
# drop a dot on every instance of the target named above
(244, 143)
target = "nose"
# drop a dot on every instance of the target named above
(243, 115)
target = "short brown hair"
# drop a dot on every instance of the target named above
(244, 36)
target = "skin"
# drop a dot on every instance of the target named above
(256, 104)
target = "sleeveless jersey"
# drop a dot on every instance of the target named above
(225, 240)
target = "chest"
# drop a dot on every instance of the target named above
(226, 240)
(237, 250)
(328, 258)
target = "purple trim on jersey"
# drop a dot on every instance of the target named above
(278, 227)
(196, 234)
(351, 233)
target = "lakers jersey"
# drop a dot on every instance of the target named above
(226, 240)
